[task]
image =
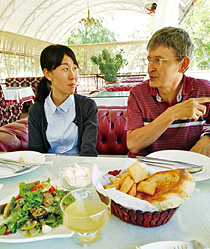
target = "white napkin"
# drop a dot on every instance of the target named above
(1, 186)
(100, 179)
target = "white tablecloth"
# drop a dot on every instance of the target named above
(115, 101)
(18, 94)
(191, 220)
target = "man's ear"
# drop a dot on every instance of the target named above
(184, 64)
(47, 74)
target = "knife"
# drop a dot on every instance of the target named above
(189, 169)
(168, 162)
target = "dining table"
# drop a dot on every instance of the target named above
(18, 95)
(191, 221)
(118, 98)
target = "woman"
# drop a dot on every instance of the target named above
(61, 121)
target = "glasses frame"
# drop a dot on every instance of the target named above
(159, 61)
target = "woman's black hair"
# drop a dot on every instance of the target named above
(51, 57)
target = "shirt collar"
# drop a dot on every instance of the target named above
(64, 106)
(186, 88)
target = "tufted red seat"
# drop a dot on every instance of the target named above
(14, 136)
(111, 133)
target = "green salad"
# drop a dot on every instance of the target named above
(36, 209)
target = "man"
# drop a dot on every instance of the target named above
(169, 110)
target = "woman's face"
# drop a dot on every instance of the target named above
(64, 78)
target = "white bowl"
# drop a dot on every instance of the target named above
(77, 180)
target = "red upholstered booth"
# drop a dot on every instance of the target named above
(111, 133)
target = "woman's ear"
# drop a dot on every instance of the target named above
(184, 64)
(47, 74)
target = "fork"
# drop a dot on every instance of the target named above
(17, 163)
(180, 247)
(18, 167)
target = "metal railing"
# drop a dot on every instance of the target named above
(90, 82)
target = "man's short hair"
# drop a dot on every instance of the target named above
(176, 38)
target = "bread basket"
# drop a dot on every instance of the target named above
(139, 218)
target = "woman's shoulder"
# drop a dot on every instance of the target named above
(37, 106)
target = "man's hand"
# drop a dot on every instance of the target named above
(202, 146)
(190, 109)
(143, 137)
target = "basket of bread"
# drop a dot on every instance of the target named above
(144, 198)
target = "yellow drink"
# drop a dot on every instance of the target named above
(86, 216)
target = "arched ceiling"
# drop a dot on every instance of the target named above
(52, 20)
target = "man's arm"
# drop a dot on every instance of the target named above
(143, 137)
(202, 146)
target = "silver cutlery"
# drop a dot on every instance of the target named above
(170, 164)
(17, 166)
(166, 161)
(190, 170)
(16, 162)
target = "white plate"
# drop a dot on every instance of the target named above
(29, 156)
(18, 237)
(163, 245)
(189, 157)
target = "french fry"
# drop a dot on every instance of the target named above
(132, 191)
(114, 185)
(114, 179)
(137, 172)
(147, 187)
(123, 175)
(127, 184)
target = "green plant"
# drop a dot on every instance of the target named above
(109, 66)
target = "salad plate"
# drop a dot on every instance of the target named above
(162, 245)
(188, 157)
(27, 156)
(58, 232)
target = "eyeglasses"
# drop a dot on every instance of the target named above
(157, 61)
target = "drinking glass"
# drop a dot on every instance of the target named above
(86, 211)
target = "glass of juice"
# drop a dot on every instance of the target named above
(86, 211)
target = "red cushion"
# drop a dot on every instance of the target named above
(14, 136)
(111, 131)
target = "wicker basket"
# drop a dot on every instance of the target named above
(139, 218)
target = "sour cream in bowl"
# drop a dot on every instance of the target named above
(75, 177)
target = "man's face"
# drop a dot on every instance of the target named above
(163, 75)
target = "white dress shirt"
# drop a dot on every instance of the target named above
(62, 132)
